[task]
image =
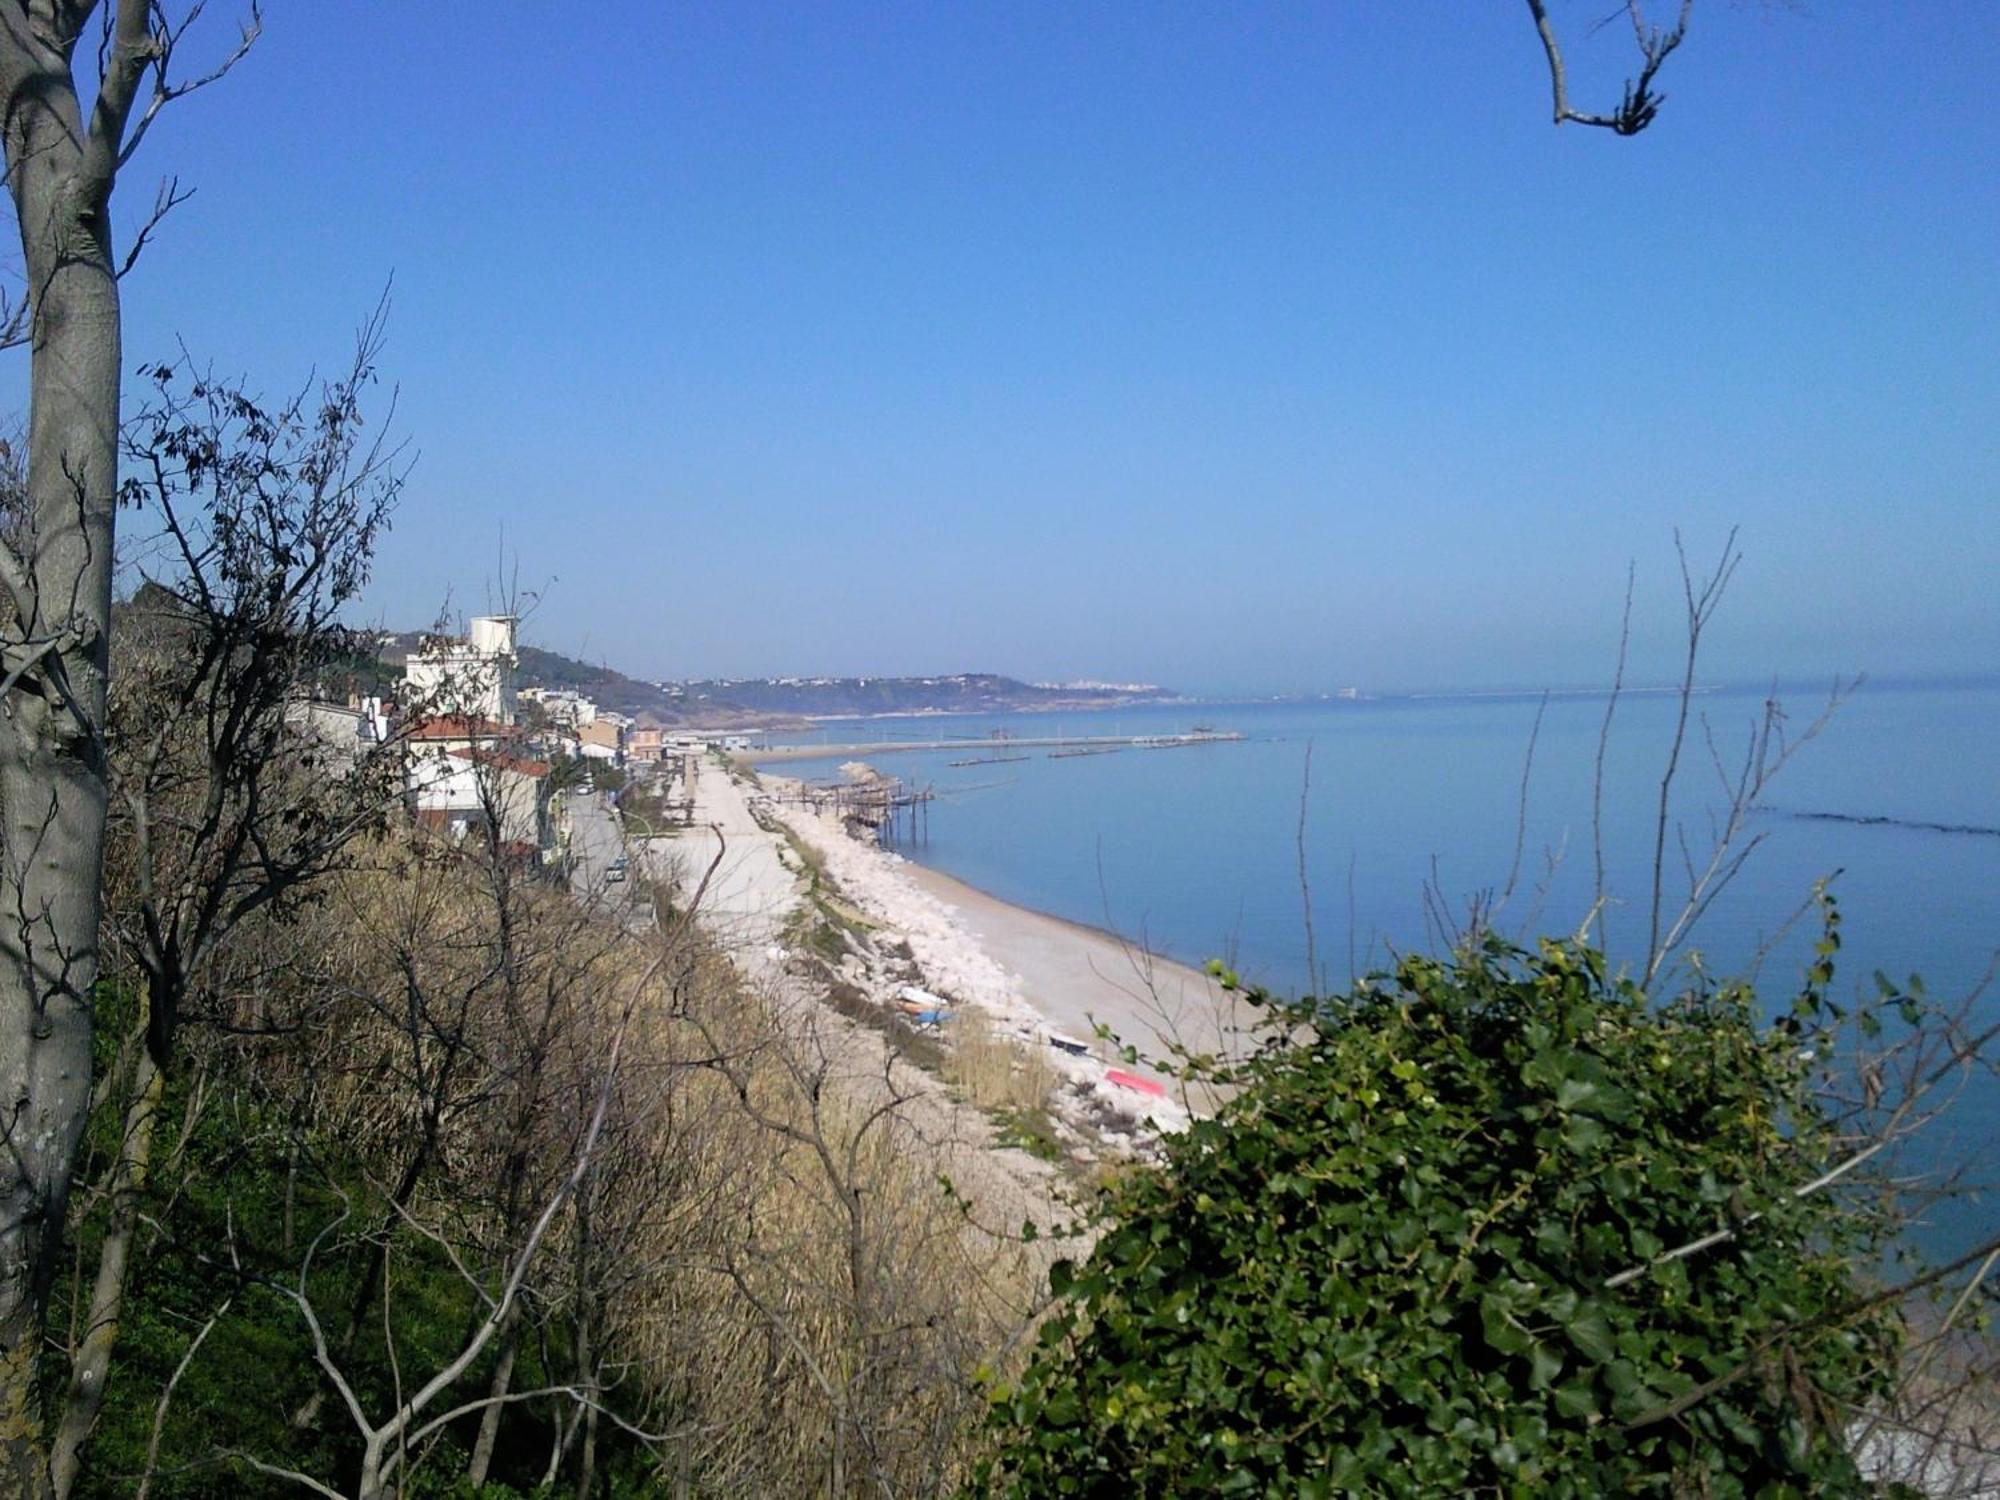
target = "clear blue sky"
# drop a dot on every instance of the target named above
(1267, 346)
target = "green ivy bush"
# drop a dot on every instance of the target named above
(1382, 1268)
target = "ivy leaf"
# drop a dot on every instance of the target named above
(1545, 1362)
(1590, 1331)
(1062, 1276)
(1576, 1399)
(1574, 1093)
(1502, 1332)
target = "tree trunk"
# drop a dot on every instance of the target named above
(92, 1365)
(489, 1420)
(586, 1468)
(369, 1485)
(52, 772)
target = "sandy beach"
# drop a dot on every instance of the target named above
(1079, 976)
(1042, 982)
(930, 943)
(935, 942)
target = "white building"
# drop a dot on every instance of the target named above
(472, 677)
(458, 790)
(343, 732)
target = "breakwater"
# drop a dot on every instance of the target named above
(773, 754)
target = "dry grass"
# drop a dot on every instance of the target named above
(772, 1271)
(994, 1071)
(832, 1305)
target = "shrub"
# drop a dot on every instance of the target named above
(1382, 1268)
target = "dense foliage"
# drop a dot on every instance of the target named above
(1383, 1268)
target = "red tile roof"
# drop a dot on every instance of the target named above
(460, 727)
(481, 756)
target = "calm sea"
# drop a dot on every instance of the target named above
(1413, 808)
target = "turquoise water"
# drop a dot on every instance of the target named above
(1197, 849)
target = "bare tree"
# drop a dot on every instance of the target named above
(502, 1106)
(390, 1443)
(255, 528)
(63, 160)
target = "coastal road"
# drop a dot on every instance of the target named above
(751, 894)
(594, 842)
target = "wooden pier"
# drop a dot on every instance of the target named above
(866, 801)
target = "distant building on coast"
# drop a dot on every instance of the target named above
(470, 677)
(344, 732)
(468, 759)
(646, 739)
(564, 708)
(603, 738)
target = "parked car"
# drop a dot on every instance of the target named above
(617, 871)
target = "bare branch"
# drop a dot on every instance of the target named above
(166, 92)
(170, 197)
(1599, 894)
(1641, 104)
(1896, 1293)
(278, 1471)
(1701, 603)
(167, 1398)
(14, 320)
(1521, 808)
(1879, 1141)
(1313, 980)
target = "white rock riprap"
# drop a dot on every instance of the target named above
(956, 967)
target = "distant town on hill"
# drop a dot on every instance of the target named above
(761, 700)
(960, 692)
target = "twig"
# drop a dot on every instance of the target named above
(1598, 894)
(1313, 979)
(1701, 604)
(1640, 105)
(167, 1397)
(1521, 809)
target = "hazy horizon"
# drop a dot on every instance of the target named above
(1271, 348)
(1226, 692)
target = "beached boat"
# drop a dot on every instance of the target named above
(912, 1000)
(1136, 1083)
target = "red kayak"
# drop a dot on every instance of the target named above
(1133, 1081)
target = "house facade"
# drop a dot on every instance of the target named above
(600, 739)
(462, 791)
(645, 741)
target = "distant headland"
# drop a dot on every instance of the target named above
(780, 702)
